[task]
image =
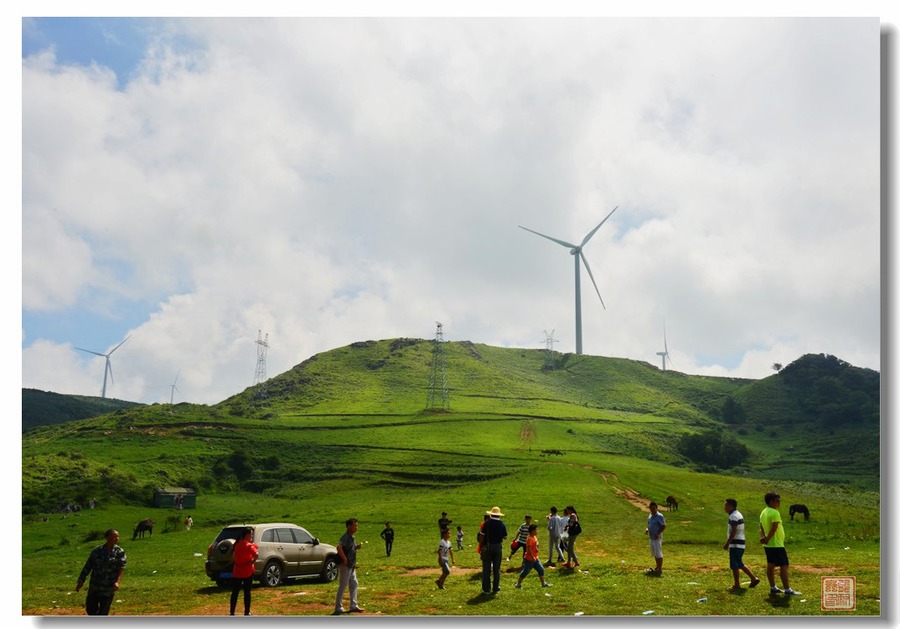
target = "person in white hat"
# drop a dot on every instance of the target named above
(492, 551)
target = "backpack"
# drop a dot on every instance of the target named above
(575, 529)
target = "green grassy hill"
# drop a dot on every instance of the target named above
(346, 433)
(44, 408)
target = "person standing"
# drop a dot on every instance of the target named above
(188, 523)
(347, 548)
(532, 560)
(459, 538)
(444, 522)
(388, 536)
(573, 529)
(656, 524)
(492, 551)
(555, 526)
(445, 557)
(521, 537)
(735, 545)
(245, 555)
(105, 564)
(772, 538)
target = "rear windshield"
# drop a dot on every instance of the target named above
(231, 532)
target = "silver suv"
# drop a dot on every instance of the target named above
(286, 551)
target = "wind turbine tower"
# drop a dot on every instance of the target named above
(438, 394)
(576, 250)
(262, 348)
(665, 353)
(107, 370)
(174, 388)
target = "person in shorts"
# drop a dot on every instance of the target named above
(656, 524)
(771, 533)
(735, 544)
(445, 557)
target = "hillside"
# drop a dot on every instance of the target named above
(359, 410)
(44, 408)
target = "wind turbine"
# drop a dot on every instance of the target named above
(576, 250)
(665, 352)
(107, 371)
(174, 388)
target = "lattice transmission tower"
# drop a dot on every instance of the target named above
(549, 354)
(262, 347)
(438, 395)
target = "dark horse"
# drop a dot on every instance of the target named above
(800, 509)
(671, 503)
(143, 525)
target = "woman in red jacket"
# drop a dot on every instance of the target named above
(245, 554)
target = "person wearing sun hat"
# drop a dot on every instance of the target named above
(492, 551)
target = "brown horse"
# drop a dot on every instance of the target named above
(799, 509)
(671, 503)
(141, 527)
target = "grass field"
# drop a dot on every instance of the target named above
(165, 574)
(344, 435)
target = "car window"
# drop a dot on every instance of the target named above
(268, 535)
(229, 532)
(284, 536)
(302, 537)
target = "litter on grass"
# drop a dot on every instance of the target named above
(648, 612)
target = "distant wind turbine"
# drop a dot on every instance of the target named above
(174, 388)
(665, 352)
(107, 370)
(576, 250)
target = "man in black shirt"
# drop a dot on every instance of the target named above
(492, 551)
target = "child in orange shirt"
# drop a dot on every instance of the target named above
(532, 558)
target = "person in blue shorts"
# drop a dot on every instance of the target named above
(735, 545)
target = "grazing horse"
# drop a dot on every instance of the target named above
(800, 509)
(143, 525)
(671, 503)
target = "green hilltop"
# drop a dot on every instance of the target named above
(357, 413)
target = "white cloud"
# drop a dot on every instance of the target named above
(329, 181)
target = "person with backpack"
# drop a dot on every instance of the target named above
(573, 529)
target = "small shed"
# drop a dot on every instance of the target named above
(169, 498)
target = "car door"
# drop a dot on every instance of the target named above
(288, 550)
(309, 556)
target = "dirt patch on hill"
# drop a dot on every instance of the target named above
(634, 498)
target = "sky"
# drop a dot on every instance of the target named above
(188, 184)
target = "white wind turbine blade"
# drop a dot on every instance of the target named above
(594, 231)
(556, 240)
(90, 351)
(588, 267)
(109, 369)
(118, 346)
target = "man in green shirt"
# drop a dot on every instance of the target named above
(771, 533)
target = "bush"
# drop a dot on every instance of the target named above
(713, 448)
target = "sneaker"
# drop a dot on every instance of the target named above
(546, 585)
(567, 565)
(518, 586)
(577, 564)
(338, 612)
(754, 583)
(775, 590)
(440, 586)
(550, 565)
(790, 592)
(356, 609)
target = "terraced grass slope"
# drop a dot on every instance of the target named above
(356, 416)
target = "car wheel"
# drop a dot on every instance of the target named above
(272, 575)
(330, 570)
